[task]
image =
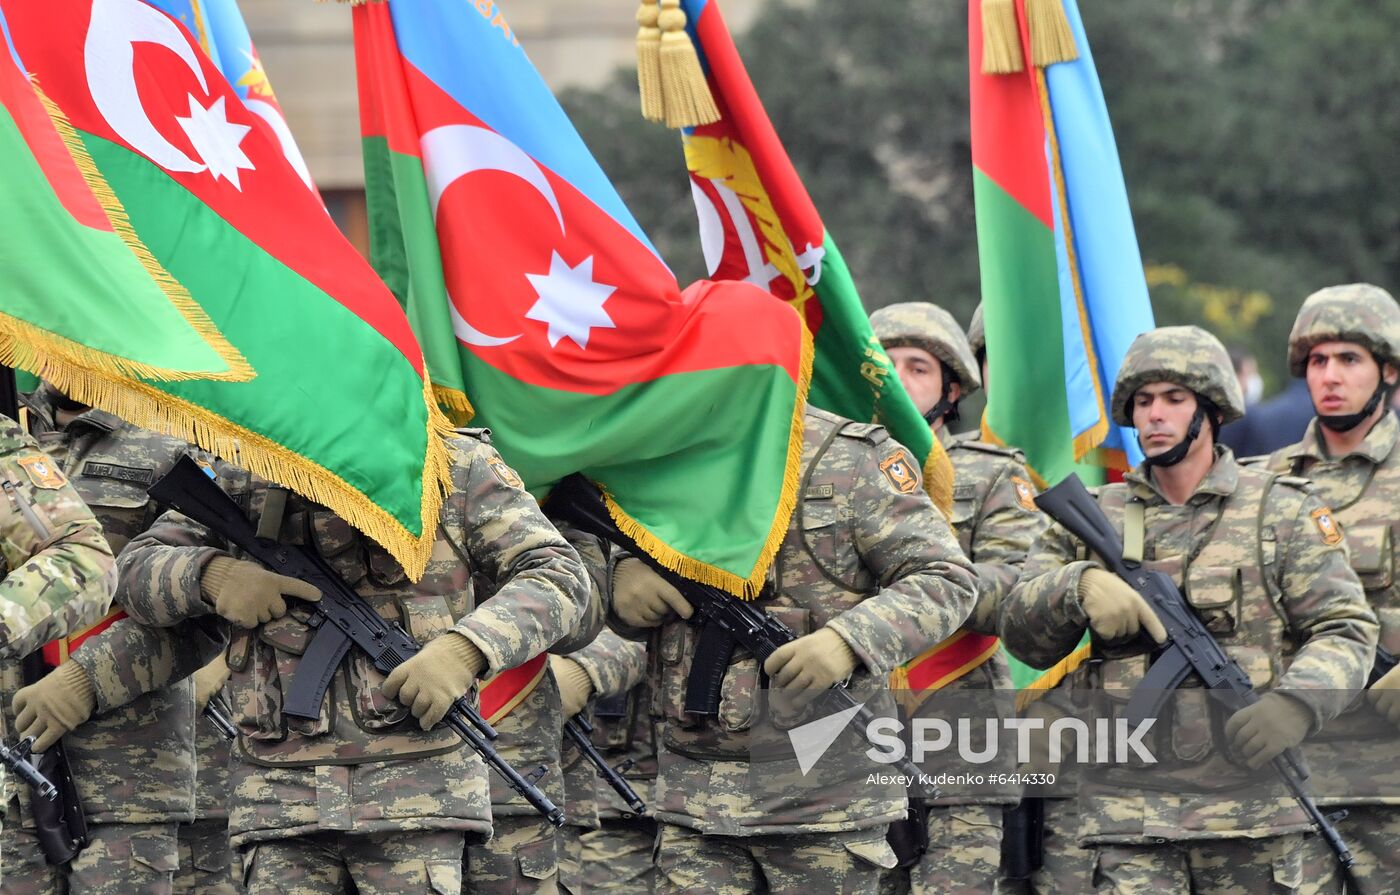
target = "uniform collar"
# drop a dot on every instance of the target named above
(43, 403)
(1376, 447)
(1221, 481)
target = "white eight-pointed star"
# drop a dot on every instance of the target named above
(217, 140)
(570, 302)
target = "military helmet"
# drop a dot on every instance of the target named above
(977, 332)
(1186, 355)
(919, 324)
(1358, 312)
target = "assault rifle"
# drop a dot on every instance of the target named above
(1189, 647)
(724, 621)
(341, 619)
(577, 730)
(17, 760)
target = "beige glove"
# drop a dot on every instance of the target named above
(814, 662)
(1384, 695)
(247, 594)
(642, 598)
(54, 705)
(1261, 732)
(210, 680)
(441, 673)
(1115, 610)
(575, 686)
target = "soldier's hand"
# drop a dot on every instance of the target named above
(248, 595)
(1261, 732)
(812, 664)
(441, 673)
(54, 705)
(642, 598)
(1384, 695)
(1115, 610)
(209, 680)
(575, 686)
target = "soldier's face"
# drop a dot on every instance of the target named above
(1162, 413)
(922, 376)
(1342, 376)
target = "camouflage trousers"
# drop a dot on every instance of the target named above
(618, 857)
(1372, 832)
(396, 863)
(963, 857)
(119, 859)
(569, 849)
(1276, 865)
(1068, 867)
(848, 863)
(520, 858)
(206, 860)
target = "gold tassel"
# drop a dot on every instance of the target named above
(1001, 38)
(1052, 40)
(683, 86)
(649, 61)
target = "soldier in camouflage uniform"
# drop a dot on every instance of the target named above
(868, 576)
(522, 855)
(996, 521)
(1346, 342)
(122, 700)
(609, 667)
(365, 798)
(58, 568)
(1257, 558)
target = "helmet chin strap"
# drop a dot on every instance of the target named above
(1178, 451)
(1345, 422)
(945, 409)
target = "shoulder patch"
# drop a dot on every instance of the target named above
(1025, 493)
(1327, 526)
(503, 472)
(42, 472)
(899, 468)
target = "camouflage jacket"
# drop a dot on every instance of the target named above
(616, 668)
(133, 761)
(1271, 583)
(364, 765)
(866, 554)
(1363, 490)
(58, 569)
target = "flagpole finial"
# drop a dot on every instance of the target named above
(649, 60)
(684, 89)
(1052, 39)
(1001, 38)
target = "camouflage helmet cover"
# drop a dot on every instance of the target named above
(977, 332)
(1186, 355)
(919, 324)
(1358, 312)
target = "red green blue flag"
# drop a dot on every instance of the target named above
(544, 309)
(340, 409)
(1063, 289)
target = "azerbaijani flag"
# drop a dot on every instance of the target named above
(1063, 289)
(340, 410)
(758, 224)
(77, 279)
(538, 297)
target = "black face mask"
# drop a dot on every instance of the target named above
(1345, 422)
(1178, 451)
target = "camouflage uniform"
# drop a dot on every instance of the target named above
(58, 569)
(1363, 490)
(867, 556)
(360, 795)
(1277, 592)
(996, 521)
(207, 865)
(133, 761)
(615, 666)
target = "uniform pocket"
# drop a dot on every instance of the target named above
(1215, 592)
(424, 617)
(676, 647)
(1372, 557)
(159, 852)
(445, 878)
(537, 860)
(277, 657)
(872, 850)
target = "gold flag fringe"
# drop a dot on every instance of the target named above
(454, 404)
(1001, 38)
(239, 370)
(684, 90)
(938, 478)
(1052, 40)
(696, 570)
(649, 61)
